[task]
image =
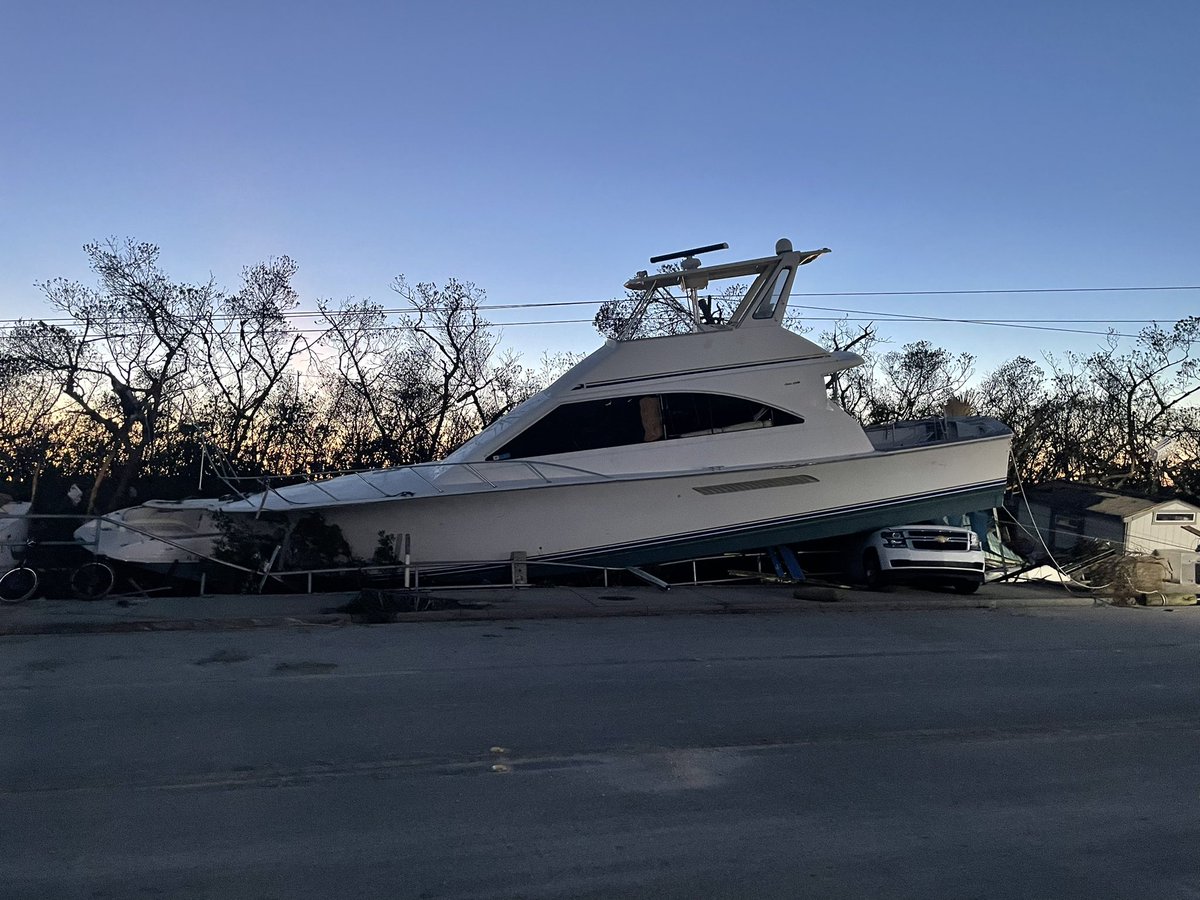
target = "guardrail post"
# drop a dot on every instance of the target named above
(266, 572)
(407, 559)
(520, 568)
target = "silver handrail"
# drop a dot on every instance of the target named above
(471, 468)
(534, 465)
(413, 469)
(374, 487)
(476, 469)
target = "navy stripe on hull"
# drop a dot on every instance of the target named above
(711, 542)
(789, 530)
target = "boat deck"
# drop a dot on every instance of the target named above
(922, 432)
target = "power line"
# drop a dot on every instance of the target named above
(846, 314)
(960, 293)
(851, 316)
(999, 323)
(315, 314)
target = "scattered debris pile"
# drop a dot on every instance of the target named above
(1137, 578)
(378, 607)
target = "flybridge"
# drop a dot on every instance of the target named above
(764, 303)
(713, 441)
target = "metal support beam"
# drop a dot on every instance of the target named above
(648, 578)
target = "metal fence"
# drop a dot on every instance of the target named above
(29, 562)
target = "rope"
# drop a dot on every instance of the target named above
(1033, 521)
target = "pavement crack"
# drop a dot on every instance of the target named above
(243, 777)
(222, 656)
(304, 667)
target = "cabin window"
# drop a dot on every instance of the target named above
(1174, 517)
(640, 419)
(767, 306)
(689, 415)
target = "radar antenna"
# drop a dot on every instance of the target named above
(701, 313)
(667, 257)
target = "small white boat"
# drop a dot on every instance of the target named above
(649, 450)
(14, 532)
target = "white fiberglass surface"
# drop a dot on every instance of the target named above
(14, 531)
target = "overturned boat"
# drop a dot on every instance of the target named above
(651, 449)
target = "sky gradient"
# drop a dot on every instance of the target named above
(545, 150)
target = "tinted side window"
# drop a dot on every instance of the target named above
(640, 419)
(580, 426)
(688, 415)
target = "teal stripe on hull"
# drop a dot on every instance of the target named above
(754, 536)
(814, 526)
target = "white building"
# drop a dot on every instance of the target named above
(1066, 515)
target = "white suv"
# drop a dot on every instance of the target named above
(931, 553)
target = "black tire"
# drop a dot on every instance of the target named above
(965, 587)
(18, 585)
(92, 581)
(873, 572)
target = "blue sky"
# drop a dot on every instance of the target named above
(546, 150)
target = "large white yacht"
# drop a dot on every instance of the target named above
(651, 449)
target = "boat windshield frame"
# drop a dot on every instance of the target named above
(767, 271)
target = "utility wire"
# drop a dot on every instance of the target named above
(999, 323)
(959, 293)
(845, 314)
(851, 315)
(313, 314)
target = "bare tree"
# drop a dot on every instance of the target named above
(370, 382)
(917, 381)
(127, 354)
(853, 389)
(1122, 417)
(30, 434)
(1180, 455)
(471, 381)
(409, 388)
(249, 352)
(1148, 391)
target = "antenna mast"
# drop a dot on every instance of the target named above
(691, 284)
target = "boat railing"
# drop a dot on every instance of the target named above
(359, 573)
(900, 435)
(909, 433)
(436, 475)
(498, 472)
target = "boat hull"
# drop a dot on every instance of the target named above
(635, 520)
(639, 521)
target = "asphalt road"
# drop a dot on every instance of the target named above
(900, 754)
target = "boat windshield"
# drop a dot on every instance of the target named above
(765, 302)
(515, 420)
